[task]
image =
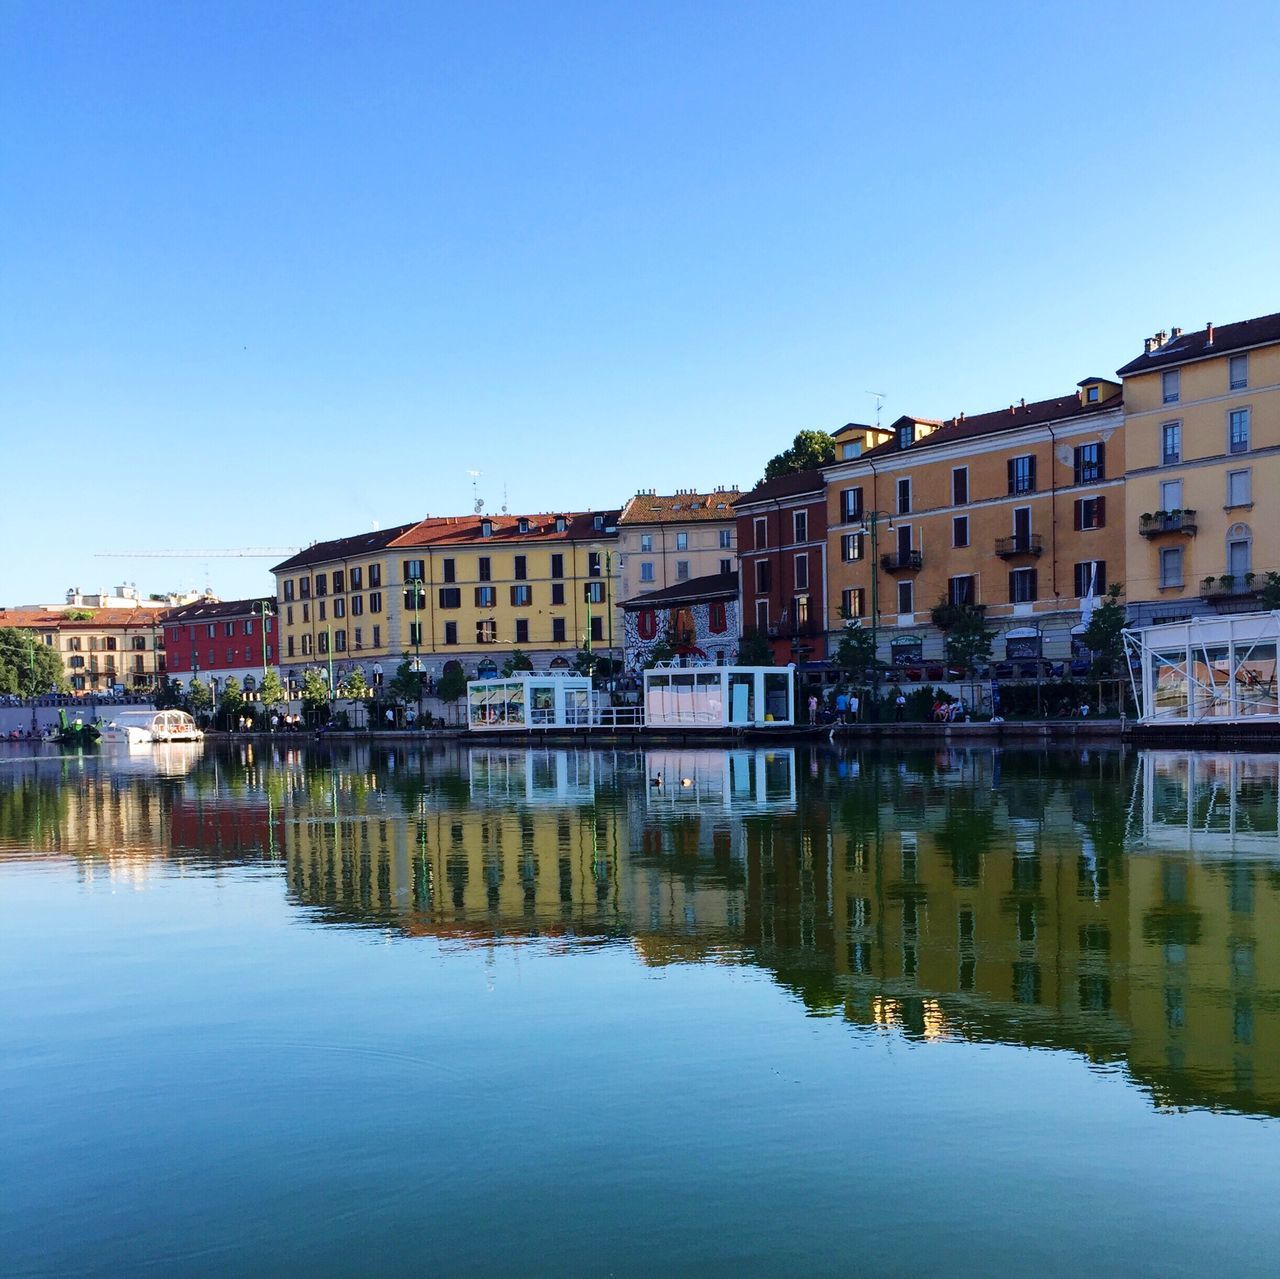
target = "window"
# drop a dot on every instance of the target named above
(229, 628)
(1171, 566)
(906, 433)
(1239, 550)
(597, 522)
(1238, 431)
(726, 539)
(375, 574)
(486, 596)
(1238, 372)
(340, 641)
(487, 631)
(520, 568)
(448, 570)
(1170, 385)
(412, 569)
(1091, 395)
(682, 541)
(959, 486)
(802, 573)
(1239, 488)
(450, 597)
(853, 602)
(960, 530)
(852, 546)
(339, 581)
(415, 633)
(726, 566)
(764, 576)
(322, 584)
(306, 612)
(593, 592)
(357, 605)
(522, 630)
(557, 593)
(962, 590)
(140, 643)
(1090, 512)
(762, 535)
(646, 570)
(646, 543)
(288, 645)
(1171, 443)
(905, 598)
(1171, 495)
(800, 524)
(304, 588)
(339, 608)
(1022, 586)
(358, 638)
(904, 497)
(800, 610)
(1090, 463)
(560, 524)
(597, 628)
(593, 563)
(557, 630)
(322, 642)
(377, 637)
(484, 569)
(521, 595)
(851, 505)
(522, 525)
(415, 597)
(486, 528)
(375, 601)
(682, 570)
(357, 578)
(451, 632)
(288, 589)
(557, 565)
(1022, 474)
(322, 607)
(762, 615)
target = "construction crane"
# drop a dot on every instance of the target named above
(228, 553)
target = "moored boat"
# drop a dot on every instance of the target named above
(140, 726)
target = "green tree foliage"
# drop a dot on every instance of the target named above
(1102, 635)
(856, 652)
(231, 703)
(199, 698)
(1269, 595)
(754, 650)
(167, 695)
(451, 685)
(584, 661)
(28, 667)
(271, 693)
(518, 661)
(78, 614)
(660, 652)
(354, 686)
(406, 683)
(315, 697)
(967, 637)
(808, 449)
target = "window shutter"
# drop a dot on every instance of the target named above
(1102, 460)
(1009, 464)
(1035, 584)
(1102, 513)
(1031, 472)
(1076, 508)
(1013, 586)
(1101, 577)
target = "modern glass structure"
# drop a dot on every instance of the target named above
(1206, 669)
(718, 696)
(525, 700)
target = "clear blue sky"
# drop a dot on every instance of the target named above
(274, 273)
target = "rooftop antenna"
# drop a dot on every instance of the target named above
(880, 398)
(504, 499)
(475, 491)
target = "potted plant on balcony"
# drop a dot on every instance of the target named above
(1206, 584)
(1227, 581)
(1249, 579)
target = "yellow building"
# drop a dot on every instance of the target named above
(1202, 420)
(665, 540)
(1020, 510)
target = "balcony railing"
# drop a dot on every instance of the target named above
(1019, 544)
(1167, 522)
(901, 561)
(1232, 586)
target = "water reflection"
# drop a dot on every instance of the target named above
(1125, 908)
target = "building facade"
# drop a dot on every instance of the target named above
(782, 553)
(216, 640)
(1019, 510)
(103, 650)
(1202, 415)
(697, 620)
(666, 540)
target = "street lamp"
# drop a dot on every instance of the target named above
(418, 587)
(871, 524)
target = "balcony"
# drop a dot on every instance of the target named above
(901, 562)
(1233, 588)
(1167, 522)
(1008, 548)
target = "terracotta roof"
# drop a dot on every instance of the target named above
(55, 618)
(1196, 346)
(791, 485)
(341, 548)
(208, 610)
(680, 508)
(713, 586)
(1014, 418)
(464, 530)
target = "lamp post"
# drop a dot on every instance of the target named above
(262, 606)
(871, 524)
(418, 587)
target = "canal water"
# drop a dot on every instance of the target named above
(315, 1010)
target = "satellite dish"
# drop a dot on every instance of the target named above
(479, 505)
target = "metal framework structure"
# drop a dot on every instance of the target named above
(1206, 669)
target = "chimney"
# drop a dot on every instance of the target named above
(1022, 403)
(1208, 334)
(1175, 332)
(1161, 338)
(1148, 345)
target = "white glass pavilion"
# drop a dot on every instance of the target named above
(718, 696)
(1206, 669)
(530, 701)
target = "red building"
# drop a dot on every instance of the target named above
(782, 557)
(216, 639)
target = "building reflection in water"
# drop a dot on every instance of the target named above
(1122, 907)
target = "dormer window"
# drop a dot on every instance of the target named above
(486, 528)
(559, 523)
(1091, 395)
(522, 525)
(906, 434)
(598, 522)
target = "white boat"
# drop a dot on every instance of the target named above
(140, 726)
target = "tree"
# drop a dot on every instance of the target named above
(28, 668)
(167, 696)
(1102, 636)
(451, 685)
(199, 698)
(1269, 595)
(808, 450)
(754, 650)
(353, 687)
(406, 683)
(315, 696)
(231, 703)
(584, 661)
(967, 637)
(660, 652)
(518, 661)
(272, 693)
(856, 652)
